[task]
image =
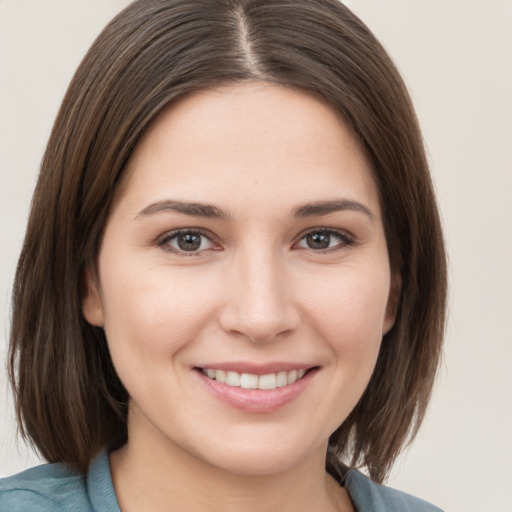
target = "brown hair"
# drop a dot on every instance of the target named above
(70, 402)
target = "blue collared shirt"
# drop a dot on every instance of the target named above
(55, 488)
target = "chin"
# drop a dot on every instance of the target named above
(263, 458)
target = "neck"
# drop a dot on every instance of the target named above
(161, 478)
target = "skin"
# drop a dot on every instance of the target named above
(255, 292)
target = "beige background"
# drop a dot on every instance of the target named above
(456, 56)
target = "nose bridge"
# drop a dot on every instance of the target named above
(260, 303)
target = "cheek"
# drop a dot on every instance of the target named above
(350, 312)
(347, 315)
(149, 318)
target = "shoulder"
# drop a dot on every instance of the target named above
(49, 487)
(369, 496)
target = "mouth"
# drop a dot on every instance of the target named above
(261, 392)
(253, 381)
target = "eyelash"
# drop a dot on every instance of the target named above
(345, 240)
(164, 241)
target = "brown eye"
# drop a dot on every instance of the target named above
(325, 240)
(318, 240)
(187, 242)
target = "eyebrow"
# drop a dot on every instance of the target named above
(320, 208)
(313, 209)
(185, 207)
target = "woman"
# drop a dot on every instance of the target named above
(232, 286)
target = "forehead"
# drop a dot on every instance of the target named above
(243, 137)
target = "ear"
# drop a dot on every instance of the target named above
(92, 307)
(395, 291)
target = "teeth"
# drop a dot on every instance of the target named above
(282, 379)
(267, 381)
(251, 381)
(233, 379)
(292, 376)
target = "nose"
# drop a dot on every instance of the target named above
(259, 304)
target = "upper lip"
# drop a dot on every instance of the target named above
(255, 368)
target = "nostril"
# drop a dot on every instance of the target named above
(259, 324)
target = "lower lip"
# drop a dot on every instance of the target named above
(257, 400)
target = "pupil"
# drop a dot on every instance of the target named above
(318, 240)
(189, 242)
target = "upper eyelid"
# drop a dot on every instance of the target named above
(163, 240)
(346, 240)
(336, 231)
(174, 232)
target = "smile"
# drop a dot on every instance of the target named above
(252, 381)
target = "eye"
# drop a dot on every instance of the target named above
(186, 242)
(325, 240)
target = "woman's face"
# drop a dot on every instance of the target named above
(245, 250)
